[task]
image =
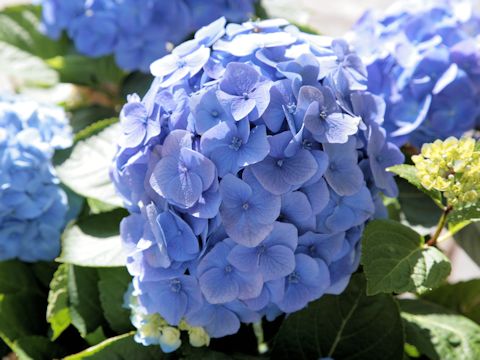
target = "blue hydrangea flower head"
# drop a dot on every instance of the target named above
(422, 58)
(136, 32)
(249, 169)
(32, 205)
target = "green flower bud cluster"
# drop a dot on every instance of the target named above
(451, 166)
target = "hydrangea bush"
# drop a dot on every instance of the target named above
(32, 205)
(247, 185)
(250, 169)
(422, 58)
(136, 32)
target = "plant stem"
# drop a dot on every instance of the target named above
(441, 224)
(262, 345)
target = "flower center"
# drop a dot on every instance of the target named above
(261, 249)
(236, 143)
(168, 113)
(291, 108)
(246, 96)
(181, 63)
(293, 278)
(245, 206)
(215, 113)
(175, 285)
(280, 163)
(307, 144)
(182, 168)
(228, 269)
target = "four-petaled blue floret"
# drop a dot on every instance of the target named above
(249, 169)
(136, 32)
(422, 57)
(32, 205)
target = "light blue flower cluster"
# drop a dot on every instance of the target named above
(137, 32)
(423, 58)
(249, 169)
(32, 205)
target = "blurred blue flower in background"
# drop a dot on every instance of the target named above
(32, 205)
(251, 199)
(422, 58)
(137, 32)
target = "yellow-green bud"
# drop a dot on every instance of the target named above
(151, 326)
(170, 336)
(453, 167)
(198, 337)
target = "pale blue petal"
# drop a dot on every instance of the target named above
(256, 149)
(244, 258)
(277, 262)
(295, 207)
(299, 168)
(318, 195)
(218, 286)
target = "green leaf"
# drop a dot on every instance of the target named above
(122, 347)
(394, 209)
(460, 215)
(206, 353)
(396, 259)
(37, 348)
(86, 171)
(23, 279)
(411, 351)
(136, 82)
(22, 311)
(4, 349)
(74, 299)
(95, 128)
(21, 315)
(23, 48)
(469, 239)
(305, 28)
(417, 206)
(24, 69)
(97, 207)
(85, 310)
(21, 302)
(348, 326)
(463, 298)
(112, 286)
(58, 312)
(438, 333)
(94, 241)
(82, 70)
(409, 173)
(96, 337)
(19, 27)
(260, 11)
(455, 228)
(43, 271)
(87, 131)
(75, 204)
(84, 116)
